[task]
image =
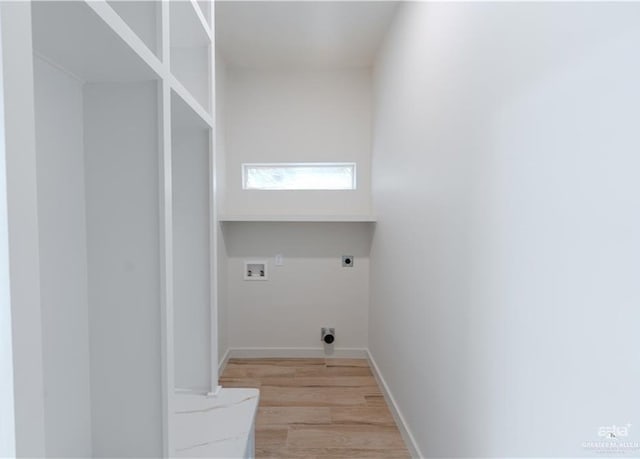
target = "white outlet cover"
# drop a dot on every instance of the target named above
(279, 260)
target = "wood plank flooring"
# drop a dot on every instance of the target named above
(317, 408)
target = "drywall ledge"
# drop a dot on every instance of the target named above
(299, 218)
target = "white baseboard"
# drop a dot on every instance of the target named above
(395, 411)
(223, 362)
(294, 352)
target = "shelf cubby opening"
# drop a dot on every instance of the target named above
(97, 149)
(191, 187)
(191, 51)
(72, 36)
(205, 8)
(144, 18)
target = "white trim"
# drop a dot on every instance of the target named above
(294, 352)
(223, 362)
(7, 410)
(165, 196)
(403, 427)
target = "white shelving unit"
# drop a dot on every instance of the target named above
(123, 99)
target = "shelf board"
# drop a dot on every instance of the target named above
(203, 15)
(299, 218)
(91, 42)
(184, 117)
(205, 7)
(142, 18)
(183, 93)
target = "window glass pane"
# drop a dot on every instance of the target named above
(310, 176)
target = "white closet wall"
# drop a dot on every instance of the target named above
(121, 145)
(191, 230)
(97, 147)
(63, 253)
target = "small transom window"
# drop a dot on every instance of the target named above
(299, 176)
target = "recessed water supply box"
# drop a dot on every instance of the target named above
(256, 270)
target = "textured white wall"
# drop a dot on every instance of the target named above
(311, 116)
(505, 179)
(309, 291)
(63, 261)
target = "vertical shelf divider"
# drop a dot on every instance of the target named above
(166, 249)
(213, 223)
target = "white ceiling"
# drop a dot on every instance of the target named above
(301, 34)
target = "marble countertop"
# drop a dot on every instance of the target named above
(217, 426)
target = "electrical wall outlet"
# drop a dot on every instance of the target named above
(347, 261)
(256, 270)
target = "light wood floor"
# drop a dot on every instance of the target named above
(317, 408)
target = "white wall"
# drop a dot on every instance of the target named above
(121, 170)
(191, 255)
(309, 291)
(505, 179)
(63, 261)
(298, 116)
